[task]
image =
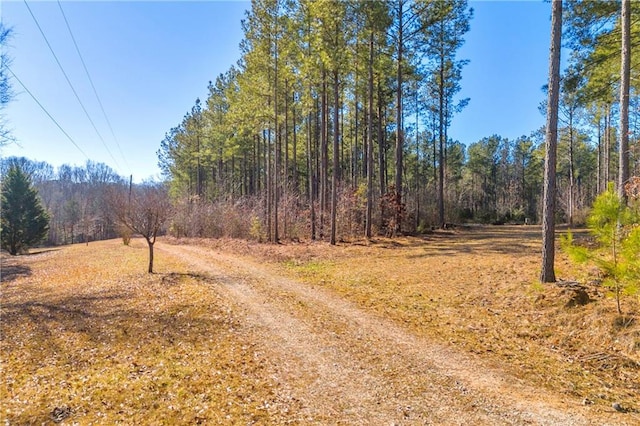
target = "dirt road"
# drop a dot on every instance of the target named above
(337, 364)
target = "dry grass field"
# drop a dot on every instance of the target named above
(478, 289)
(88, 337)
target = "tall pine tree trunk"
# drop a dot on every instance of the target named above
(336, 158)
(623, 175)
(599, 168)
(370, 144)
(441, 136)
(417, 168)
(548, 209)
(382, 159)
(311, 179)
(278, 140)
(269, 191)
(355, 149)
(285, 176)
(294, 154)
(607, 147)
(324, 153)
(399, 124)
(571, 170)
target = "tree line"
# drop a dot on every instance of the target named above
(76, 204)
(74, 197)
(334, 124)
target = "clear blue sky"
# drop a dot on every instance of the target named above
(149, 62)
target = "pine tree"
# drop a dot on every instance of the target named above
(615, 227)
(444, 38)
(548, 209)
(625, 71)
(24, 223)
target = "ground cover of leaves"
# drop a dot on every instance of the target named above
(477, 289)
(88, 337)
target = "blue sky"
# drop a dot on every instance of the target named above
(149, 61)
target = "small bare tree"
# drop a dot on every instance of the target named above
(144, 209)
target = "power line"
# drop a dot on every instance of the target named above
(45, 111)
(71, 85)
(95, 92)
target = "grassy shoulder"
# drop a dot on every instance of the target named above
(87, 335)
(478, 289)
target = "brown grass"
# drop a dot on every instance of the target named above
(87, 334)
(478, 289)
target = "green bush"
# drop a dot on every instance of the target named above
(616, 228)
(24, 222)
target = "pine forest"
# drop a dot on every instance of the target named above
(334, 125)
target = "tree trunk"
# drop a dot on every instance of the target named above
(150, 243)
(311, 179)
(417, 168)
(324, 152)
(607, 148)
(382, 160)
(198, 177)
(548, 220)
(355, 151)
(278, 140)
(295, 147)
(599, 168)
(623, 175)
(571, 170)
(269, 187)
(276, 186)
(311, 172)
(336, 163)
(399, 130)
(370, 144)
(285, 178)
(442, 142)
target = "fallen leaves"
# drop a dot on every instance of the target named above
(86, 329)
(88, 337)
(477, 289)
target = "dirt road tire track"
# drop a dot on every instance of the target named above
(347, 366)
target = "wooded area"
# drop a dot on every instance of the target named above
(74, 197)
(334, 123)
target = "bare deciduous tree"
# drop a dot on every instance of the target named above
(144, 209)
(5, 84)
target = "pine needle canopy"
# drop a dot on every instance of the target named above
(24, 222)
